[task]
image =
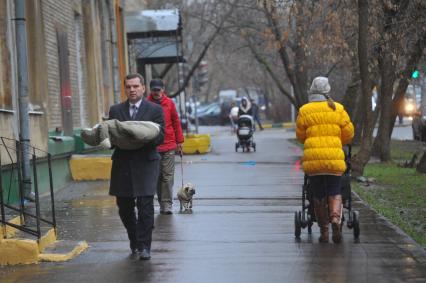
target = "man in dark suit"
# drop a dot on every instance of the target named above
(134, 173)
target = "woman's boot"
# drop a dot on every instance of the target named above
(335, 210)
(321, 214)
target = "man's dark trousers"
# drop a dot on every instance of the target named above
(139, 229)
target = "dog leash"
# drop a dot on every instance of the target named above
(181, 165)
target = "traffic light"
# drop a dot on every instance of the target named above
(415, 74)
(202, 73)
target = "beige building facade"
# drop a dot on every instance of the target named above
(76, 62)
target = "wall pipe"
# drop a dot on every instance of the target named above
(23, 98)
(115, 67)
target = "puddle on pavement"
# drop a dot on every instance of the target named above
(107, 201)
(296, 166)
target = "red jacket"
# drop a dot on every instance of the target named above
(172, 128)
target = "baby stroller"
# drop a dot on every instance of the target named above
(306, 217)
(245, 129)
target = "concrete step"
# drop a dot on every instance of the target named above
(62, 250)
(196, 144)
(17, 247)
(90, 167)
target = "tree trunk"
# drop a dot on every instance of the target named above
(363, 156)
(351, 98)
(421, 166)
(413, 58)
(381, 144)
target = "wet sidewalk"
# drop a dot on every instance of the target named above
(241, 229)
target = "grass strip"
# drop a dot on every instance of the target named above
(399, 194)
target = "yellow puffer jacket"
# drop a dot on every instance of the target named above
(323, 131)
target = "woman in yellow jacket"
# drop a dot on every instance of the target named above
(323, 126)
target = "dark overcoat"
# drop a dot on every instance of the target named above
(135, 173)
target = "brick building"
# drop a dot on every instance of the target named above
(76, 62)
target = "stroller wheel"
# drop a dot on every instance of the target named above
(297, 224)
(355, 223)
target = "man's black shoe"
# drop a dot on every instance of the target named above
(134, 254)
(145, 254)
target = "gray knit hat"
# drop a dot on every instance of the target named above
(320, 85)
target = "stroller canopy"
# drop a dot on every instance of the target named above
(245, 121)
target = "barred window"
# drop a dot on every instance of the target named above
(5, 60)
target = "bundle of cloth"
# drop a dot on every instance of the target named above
(125, 135)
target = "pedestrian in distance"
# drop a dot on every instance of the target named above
(134, 173)
(173, 140)
(323, 126)
(233, 117)
(255, 111)
(245, 107)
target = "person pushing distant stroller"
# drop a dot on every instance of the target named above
(245, 107)
(245, 126)
(323, 126)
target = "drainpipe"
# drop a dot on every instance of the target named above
(21, 54)
(115, 68)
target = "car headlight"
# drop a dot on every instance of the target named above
(409, 107)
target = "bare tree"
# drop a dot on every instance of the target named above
(361, 158)
(398, 25)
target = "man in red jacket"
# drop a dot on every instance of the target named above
(173, 139)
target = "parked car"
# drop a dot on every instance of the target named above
(211, 114)
(419, 127)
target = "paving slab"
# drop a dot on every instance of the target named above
(240, 230)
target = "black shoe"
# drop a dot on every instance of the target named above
(166, 212)
(134, 254)
(145, 254)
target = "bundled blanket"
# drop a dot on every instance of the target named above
(125, 135)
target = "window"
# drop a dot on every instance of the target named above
(5, 59)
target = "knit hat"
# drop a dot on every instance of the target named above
(320, 85)
(319, 91)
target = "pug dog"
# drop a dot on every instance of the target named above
(185, 196)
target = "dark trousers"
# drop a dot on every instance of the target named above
(325, 185)
(257, 119)
(138, 224)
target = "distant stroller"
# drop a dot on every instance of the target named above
(245, 130)
(306, 217)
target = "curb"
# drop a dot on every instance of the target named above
(14, 251)
(26, 251)
(90, 167)
(7, 231)
(196, 144)
(49, 257)
(286, 125)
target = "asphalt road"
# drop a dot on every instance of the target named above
(241, 229)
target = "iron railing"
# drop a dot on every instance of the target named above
(15, 151)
